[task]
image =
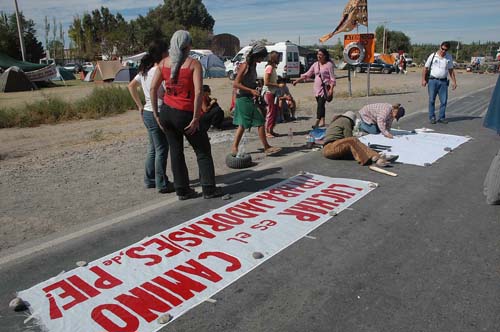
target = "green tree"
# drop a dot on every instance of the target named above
(9, 39)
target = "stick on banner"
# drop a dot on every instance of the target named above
(177, 269)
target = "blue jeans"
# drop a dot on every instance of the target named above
(156, 158)
(437, 88)
(369, 128)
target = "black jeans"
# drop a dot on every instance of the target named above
(214, 117)
(173, 122)
(320, 110)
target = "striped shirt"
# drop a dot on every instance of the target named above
(379, 114)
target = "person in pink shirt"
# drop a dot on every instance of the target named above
(378, 118)
(322, 70)
(269, 89)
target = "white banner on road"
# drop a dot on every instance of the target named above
(420, 148)
(175, 270)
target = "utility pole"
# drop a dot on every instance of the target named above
(383, 39)
(20, 31)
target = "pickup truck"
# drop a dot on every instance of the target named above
(377, 66)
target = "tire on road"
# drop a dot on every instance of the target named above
(240, 162)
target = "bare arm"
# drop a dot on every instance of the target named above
(198, 83)
(132, 88)
(453, 78)
(424, 74)
(237, 81)
(153, 93)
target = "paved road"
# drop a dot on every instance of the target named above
(420, 253)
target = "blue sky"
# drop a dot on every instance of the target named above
(424, 21)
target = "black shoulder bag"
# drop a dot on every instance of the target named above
(428, 73)
(326, 87)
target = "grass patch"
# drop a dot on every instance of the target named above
(101, 102)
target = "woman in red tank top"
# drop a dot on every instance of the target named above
(180, 116)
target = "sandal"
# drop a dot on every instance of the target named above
(272, 150)
(381, 162)
(269, 135)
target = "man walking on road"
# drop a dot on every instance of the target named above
(435, 75)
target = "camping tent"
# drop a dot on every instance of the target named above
(213, 66)
(125, 75)
(106, 70)
(63, 75)
(88, 77)
(14, 80)
(7, 62)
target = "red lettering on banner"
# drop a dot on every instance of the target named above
(188, 241)
(163, 245)
(299, 215)
(239, 212)
(105, 280)
(283, 193)
(235, 263)
(320, 203)
(183, 285)
(69, 291)
(198, 269)
(303, 206)
(270, 197)
(249, 207)
(162, 293)
(215, 225)
(239, 237)
(143, 303)
(197, 230)
(134, 254)
(131, 323)
(306, 182)
(344, 186)
(264, 225)
(339, 198)
(228, 219)
(84, 286)
(258, 202)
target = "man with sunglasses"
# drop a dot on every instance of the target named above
(435, 77)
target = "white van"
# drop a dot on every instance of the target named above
(288, 67)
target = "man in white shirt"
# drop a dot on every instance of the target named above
(435, 77)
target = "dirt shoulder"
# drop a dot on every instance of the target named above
(55, 177)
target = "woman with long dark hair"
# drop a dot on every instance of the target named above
(156, 159)
(324, 83)
(180, 116)
(247, 114)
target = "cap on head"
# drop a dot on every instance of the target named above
(351, 115)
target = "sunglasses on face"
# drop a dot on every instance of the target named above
(444, 49)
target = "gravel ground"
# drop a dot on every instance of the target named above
(58, 177)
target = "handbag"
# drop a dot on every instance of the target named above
(428, 73)
(326, 87)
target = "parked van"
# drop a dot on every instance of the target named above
(288, 67)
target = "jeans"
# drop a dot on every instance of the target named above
(174, 121)
(369, 128)
(437, 88)
(156, 158)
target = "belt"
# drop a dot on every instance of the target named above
(439, 79)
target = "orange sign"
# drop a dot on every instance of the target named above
(367, 40)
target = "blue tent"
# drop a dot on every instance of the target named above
(213, 67)
(63, 75)
(125, 75)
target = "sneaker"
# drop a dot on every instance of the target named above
(168, 189)
(433, 121)
(216, 192)
(191, 193)
(443, 121)
(391, 157)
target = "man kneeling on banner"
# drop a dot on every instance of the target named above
(340, 143)
(378, 118)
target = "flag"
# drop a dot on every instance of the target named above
(355, 12)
